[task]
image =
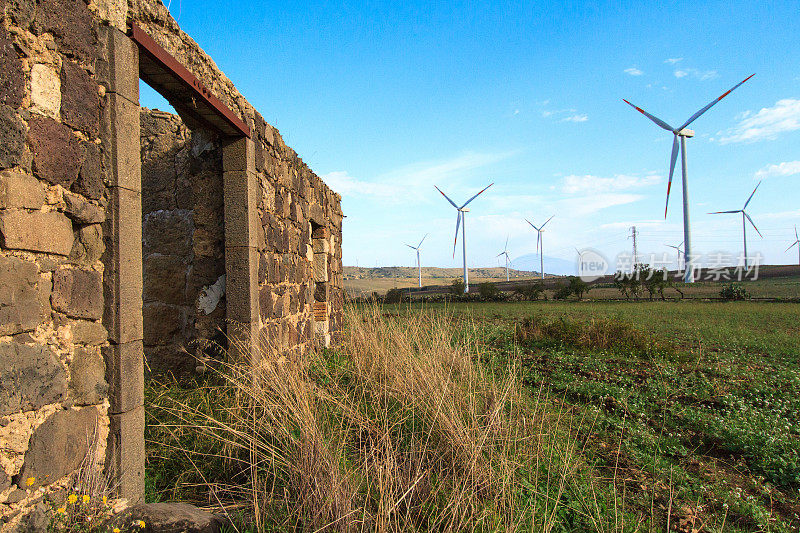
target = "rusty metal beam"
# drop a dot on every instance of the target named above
(193, 96)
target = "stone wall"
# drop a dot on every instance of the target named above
(72, 250)
(183, 243)
(53, 391)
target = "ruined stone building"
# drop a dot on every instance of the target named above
(133, 238)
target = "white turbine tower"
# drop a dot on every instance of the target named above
(680, 252)
(795, 243)
(745, 218)
(505, 253)
(462, 214)
(683, 133)
(540, 242)
(419, 265)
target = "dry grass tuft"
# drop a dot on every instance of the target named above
(399, 428)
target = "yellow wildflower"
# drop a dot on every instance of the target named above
(140, 523)
(105, 499)
(72, 498)
(86, 498)
(30, 481)
(116, 530)
(61, 510)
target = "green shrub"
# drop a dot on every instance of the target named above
(733, 291)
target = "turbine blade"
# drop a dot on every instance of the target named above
(501, 253)
(505, 248)
(423, 239)
(448, 199)
(797, 242)
(545, 222)
(410, 246)
(660, 123)
(455, 241)
(538, 239)
(481, 192)
(531, 223)
(723, 212)
(709, 106)
(751, 196)
(795, 234)
(753, 224)
(672, 160)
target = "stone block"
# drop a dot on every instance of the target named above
(45, 90)
(58, 446)
(88, 247)
(123, 66)
(241, 284)
(321, 246)
(170, 517)
(122, 276)
(82, 211)
(320, 267)
(78, 293)
(89, 333)
(238, 154)
(124, 365)
(168, 233)
(32, 377)
(321, 292)
(12, 83)
(165, 279)
(162, 323)
(12, 131)
(19, 304)
(120, 131)
(87, 382)
(57, 152)
(125, 454)
(49, 232)
(71, 24)
(19, 190)
(90, 177)
(80, 101)
(241, 190)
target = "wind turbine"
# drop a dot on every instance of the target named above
(795, 243)
(419, 265)
(683, 133)
(745, 217)
(678, 249)
(505, 253)
(462, 214)
(540, 242)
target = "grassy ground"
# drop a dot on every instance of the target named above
(560, 416)
(694, 403)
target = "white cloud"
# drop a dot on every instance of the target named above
(395, 185)
(588, 183)
(580, 206)
(701, 75)
(787, 168)
(576, 118)
(766, 124)
(633, 71)
(673, 60)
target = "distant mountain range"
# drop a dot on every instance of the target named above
(394, 272)
(552, 265)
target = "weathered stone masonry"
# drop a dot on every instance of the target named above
(91, 197)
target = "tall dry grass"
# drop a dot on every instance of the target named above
(399, 428)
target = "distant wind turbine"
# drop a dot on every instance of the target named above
(462, 214)
(419, 265)
(683, 133)
(505, 253)
(795, 243)
(540, 242)
(680, 252)
(745, 217)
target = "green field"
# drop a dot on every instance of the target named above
(691, 407)
(561, 416)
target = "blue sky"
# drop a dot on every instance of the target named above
(384, 100)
